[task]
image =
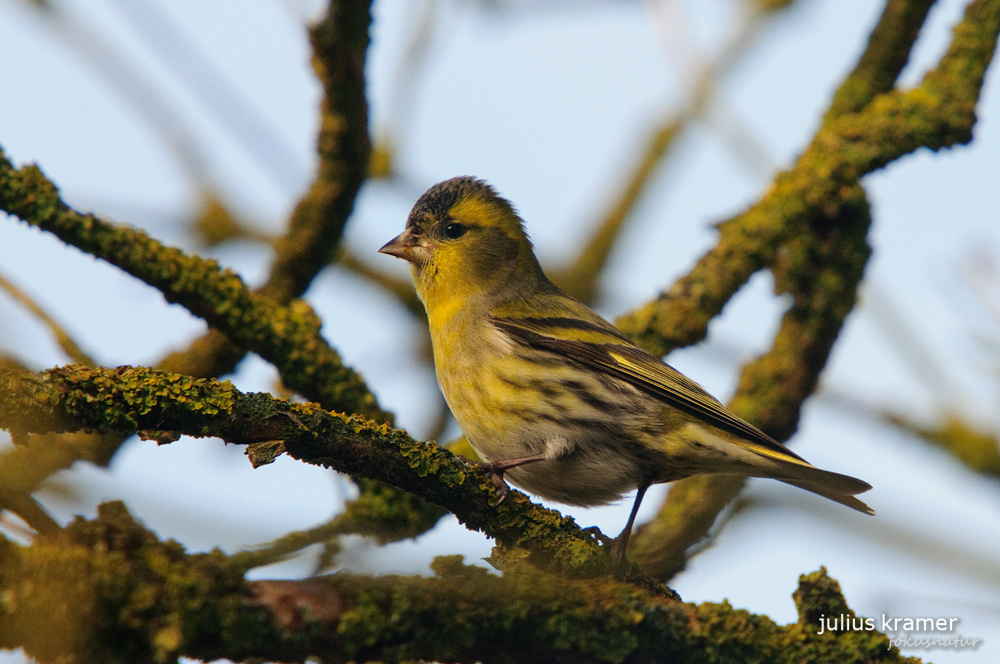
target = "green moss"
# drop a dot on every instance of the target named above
(547, 615)
(109, 590)
(289, 336)
(819, 595)
(75, 396)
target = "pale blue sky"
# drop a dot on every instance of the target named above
(551, 105)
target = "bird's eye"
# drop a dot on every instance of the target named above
(455, 230)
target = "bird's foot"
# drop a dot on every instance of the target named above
(495, 473)
(621, 566)
(618, 558)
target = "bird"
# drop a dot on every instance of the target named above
(553, 397)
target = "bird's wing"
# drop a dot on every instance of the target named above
(596, 343)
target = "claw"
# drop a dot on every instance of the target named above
(496, 477)
(495, 470)
(502, 488)
(619, 545)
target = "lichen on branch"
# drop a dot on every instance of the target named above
(109, 590)
(938, 113)
(286, 335)
(810, 230)
(163, 405)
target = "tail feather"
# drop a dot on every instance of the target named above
(838, 488)
(826, 492)
(748, 457)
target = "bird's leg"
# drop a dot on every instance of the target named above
(620, 543)
(496, 469)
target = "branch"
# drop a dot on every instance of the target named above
(978, 450)
(580, 278)
(66, 343)
(109, 590)
(937, 114)
(287, 336)
(136, 399)
(810, 230)
(340, 42)
(886, 54)
(821, 270)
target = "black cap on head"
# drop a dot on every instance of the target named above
(442, 197)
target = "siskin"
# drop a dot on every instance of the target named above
(550, 394)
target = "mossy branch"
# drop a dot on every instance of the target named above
(887, 52)
(821, 271)
(137, 399)
(287, 336)
(109, 590)
(810, 230)
(979, 450)
(319, 219)
(340, 43)
(938, 113)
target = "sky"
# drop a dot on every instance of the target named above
(551, 104)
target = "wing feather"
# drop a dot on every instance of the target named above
(599, 345)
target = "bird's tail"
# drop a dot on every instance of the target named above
(838, 488)
(764, 457)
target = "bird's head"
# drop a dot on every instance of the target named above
(464, 240)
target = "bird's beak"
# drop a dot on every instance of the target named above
(408, 247)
